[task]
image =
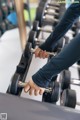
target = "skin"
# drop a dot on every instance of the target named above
(31, 87)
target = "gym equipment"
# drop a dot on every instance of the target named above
(4, 9)
(2, 27)
(1, 16)
(66, 80)
(48, 4)
(22, 108)
(0, 33)
(68, 98)
(37, 28)
(65, 77)
(43, 18)
(27, 7)
(51, 95)
(21, 70)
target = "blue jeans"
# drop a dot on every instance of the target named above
(69, 54)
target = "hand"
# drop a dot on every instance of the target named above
(41, 54)
(33, 88)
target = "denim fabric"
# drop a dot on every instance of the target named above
(69, 54)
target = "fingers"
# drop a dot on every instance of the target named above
(41, 54)
(27, 88)
(33, 88)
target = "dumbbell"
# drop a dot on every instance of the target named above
(66, 80)
(48, 4)
(21, 70)
(68, 98)
(37, 28)
(1, 16)
(4, 8)
(43, 18)
(52, 94)
(2, 27)
(16, 85)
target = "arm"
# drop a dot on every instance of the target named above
(71, 14)
(68, 56)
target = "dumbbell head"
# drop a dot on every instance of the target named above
(65, 78)
(52, 95)
(13, 88)
(40, 17)
(68, 98)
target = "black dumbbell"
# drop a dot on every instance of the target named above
(2, 27)
(68, 98)
(17, 81)
(37, 28)
(66, 80)
(51, 95)
(1, 16)
(43, 18)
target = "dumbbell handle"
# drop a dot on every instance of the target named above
(40, 28)
(75, 82)
(52, 13)
(49, 19)
(23, 84)
(50, 53)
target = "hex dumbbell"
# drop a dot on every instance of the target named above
(68, 98)
(52, 94)
(43, 18)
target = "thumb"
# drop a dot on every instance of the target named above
(27, 88)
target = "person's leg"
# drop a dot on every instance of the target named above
(68, 56)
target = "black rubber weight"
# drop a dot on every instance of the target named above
(69, 98)
(14, 84)
(65, 77)
(55, 92)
